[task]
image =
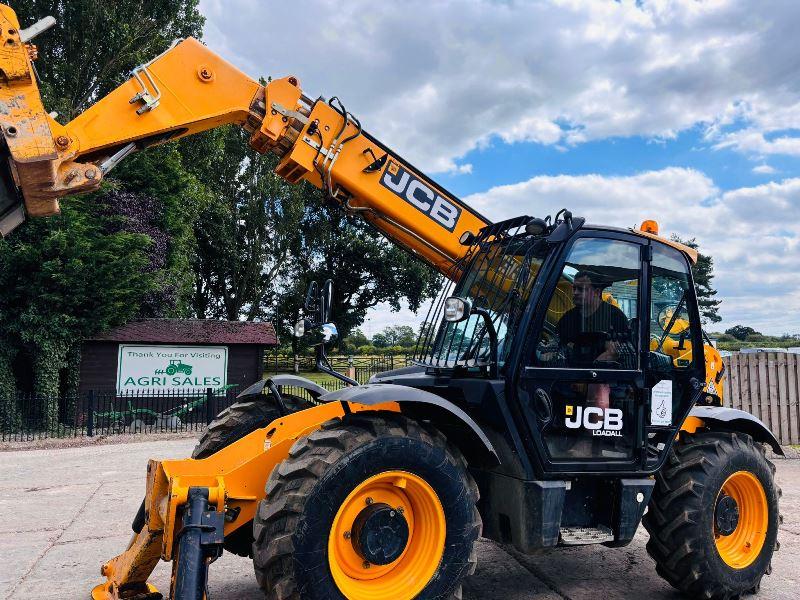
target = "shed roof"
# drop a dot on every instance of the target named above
(192, 331)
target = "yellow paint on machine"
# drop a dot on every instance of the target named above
(235, 476)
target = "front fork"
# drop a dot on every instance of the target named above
(187, 502)
(200, 544)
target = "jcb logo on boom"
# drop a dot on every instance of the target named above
(420, 196)
(601, 422)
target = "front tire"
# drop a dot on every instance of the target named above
(713, 519)
(381, 474)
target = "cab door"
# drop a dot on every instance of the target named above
(583, 390)
(675, 369)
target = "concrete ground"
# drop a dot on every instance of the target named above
(65, 511)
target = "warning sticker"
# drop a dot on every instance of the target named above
(661, 403)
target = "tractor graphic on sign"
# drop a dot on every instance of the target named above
(176, 366)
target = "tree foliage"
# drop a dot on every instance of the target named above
(366, 269)
(95, 44)
(261, 241)
(397, 335)
(248, 230)
(703, 274)
(69, 277)
(741, 332)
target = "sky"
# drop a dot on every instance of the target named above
(682, 111)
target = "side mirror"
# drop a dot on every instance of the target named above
(311, 297)
(325, 333)
(456, 309)
(330, 333)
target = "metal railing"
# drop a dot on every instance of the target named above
(29, 416)
(26, 416)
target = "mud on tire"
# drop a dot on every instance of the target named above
(292, 526)
(681, 514)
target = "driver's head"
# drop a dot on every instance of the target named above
(587, 289)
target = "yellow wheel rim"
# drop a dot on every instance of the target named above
(744, 545)
(408, 575)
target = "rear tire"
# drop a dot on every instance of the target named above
(685, 516)
(302, 526)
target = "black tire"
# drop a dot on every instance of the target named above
(681, 514)
(293, 524)
(231, 425)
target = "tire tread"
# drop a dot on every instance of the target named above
(292, 482)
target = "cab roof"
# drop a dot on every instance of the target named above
(691, 253)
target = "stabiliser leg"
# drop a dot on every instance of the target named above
(200, 544)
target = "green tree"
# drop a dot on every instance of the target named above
(703, 274)
(366, 269)
(379, 340)
(66, 278)
(247, 231)
(397, 335)
(352, 342)
(741, 332)
(95, 44)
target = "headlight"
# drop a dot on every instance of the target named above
(456, 309)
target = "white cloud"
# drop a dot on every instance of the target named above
(752, 233)
(764, 170)
(437, 79)
(752, 141)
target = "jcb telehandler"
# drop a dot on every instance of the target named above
(561, 393)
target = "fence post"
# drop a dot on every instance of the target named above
(90, 414)
(209, 408)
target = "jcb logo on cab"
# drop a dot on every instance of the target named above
(603, 422)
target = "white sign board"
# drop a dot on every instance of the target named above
(171, 368)
(661, 403)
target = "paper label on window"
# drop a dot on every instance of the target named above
(661, 403)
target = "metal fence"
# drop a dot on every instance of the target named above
(29, 416)
(365, 366)
(26, 416)
(767, 385)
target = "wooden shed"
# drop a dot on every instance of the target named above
(164, 355)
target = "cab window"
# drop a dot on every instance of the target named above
(671, 331)
(591, 319)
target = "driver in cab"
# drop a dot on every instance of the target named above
(592, 331)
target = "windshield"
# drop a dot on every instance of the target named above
(498, 276)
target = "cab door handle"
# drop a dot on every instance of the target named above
(542, 406)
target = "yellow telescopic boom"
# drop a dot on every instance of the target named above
(189, 89)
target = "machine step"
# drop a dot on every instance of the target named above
(578, 536)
